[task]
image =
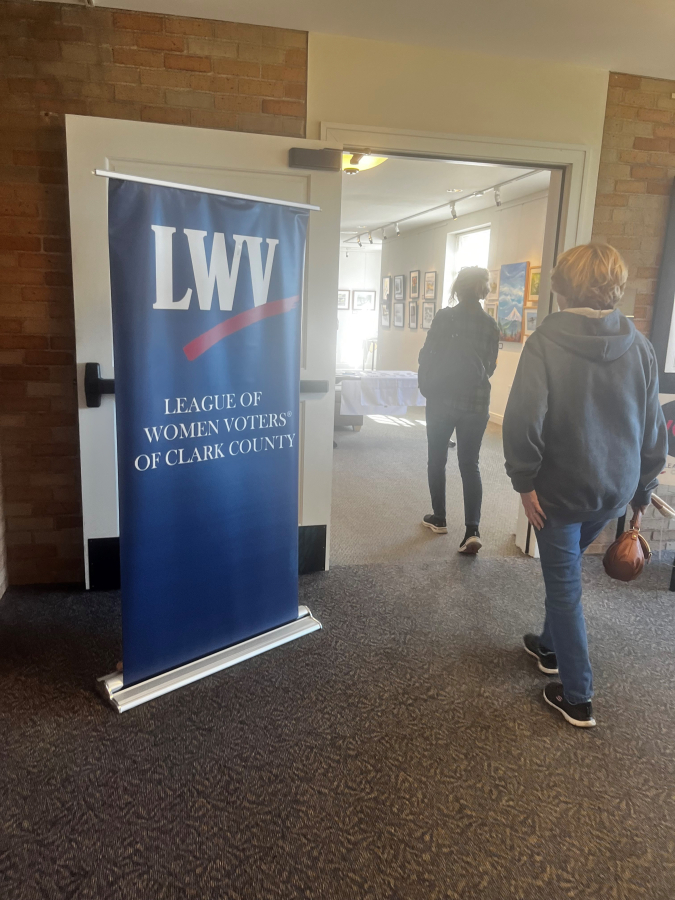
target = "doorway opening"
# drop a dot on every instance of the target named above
(408, 226)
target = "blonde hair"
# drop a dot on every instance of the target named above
(472, 283)
(592, 275)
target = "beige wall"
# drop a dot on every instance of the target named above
(374, 83)
(516, 235)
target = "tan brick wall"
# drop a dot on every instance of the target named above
(637, 166)
(57, 59)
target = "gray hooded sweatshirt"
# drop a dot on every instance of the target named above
(583, 426)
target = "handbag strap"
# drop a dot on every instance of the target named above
(636, 521)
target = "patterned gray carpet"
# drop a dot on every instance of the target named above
(402, 753)
(380, 495)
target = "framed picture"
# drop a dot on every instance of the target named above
(412, 316)
(399, 287)
(399, 314)
(343, 299)
(429, 285)
(491, 308)
(363, 300)
(384, 314)
(530, 322)
(415, 285)
(514, 281)
(428, 313)
(386, 287)
(533, 293)
(494, 284)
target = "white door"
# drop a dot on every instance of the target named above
(246, 164)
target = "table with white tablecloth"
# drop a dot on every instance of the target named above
(379, 392)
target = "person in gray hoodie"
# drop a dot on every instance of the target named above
(584, 435)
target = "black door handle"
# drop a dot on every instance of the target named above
(94, 385)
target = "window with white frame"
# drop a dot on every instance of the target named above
(468, 248)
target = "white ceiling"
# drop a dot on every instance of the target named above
(400, 187)
(634, 36)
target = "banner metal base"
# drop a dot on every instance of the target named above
(113, 690)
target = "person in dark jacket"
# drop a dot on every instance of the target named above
(456, 362)
(584, 435)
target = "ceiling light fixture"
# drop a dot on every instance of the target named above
(453, 211)
(370, 237)
(454, 190)
(398, 232)
(498, 197)
(358, 240)
(479, 193)
(353, 163)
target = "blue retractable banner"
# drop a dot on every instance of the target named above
(206, 326)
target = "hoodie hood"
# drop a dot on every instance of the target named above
(602, 340)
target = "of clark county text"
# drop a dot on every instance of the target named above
(241, 419)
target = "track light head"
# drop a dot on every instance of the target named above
(370, 237)
(358, 239)
(398, 232)
(453, 211)
(498, 197)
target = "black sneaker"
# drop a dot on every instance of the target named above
(471, 543)
(437, 525)
(579, 714)
(546, 660)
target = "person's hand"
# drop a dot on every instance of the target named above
(535, 514)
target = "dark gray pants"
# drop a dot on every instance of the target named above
(470, 427)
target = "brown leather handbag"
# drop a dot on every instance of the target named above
(626, 557)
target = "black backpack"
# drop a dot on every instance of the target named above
(449, 367)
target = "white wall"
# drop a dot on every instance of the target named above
(359, 270)
(375, 83)
(516, 235)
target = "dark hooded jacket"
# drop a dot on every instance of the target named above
(583, 425)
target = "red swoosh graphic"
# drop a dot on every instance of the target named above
(205, 341)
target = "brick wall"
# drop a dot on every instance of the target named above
(57, 59)
(636, 171)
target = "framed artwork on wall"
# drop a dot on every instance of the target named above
(399, 314)
(412, 316)
(343, 299)
(399, 287)
(494, 284)
(530, 322)
(533, 293)
(514, 282)
(429, 285)
(363, 300)
(491, 308)
(386, 287)
(428, 313)
(384, 314)
(415, 284)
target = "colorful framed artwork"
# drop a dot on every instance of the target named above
(415, 284)
(386, 287)
(491, 308)
(399, 314)
(343, 299)
(399, 287)
(533, 293)
(428, 313)
(412, 316)
(493, 284)
(530, 321)
(514, 281)
(429, 285)
(363, 300)
(385, 314)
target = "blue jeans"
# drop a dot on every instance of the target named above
(561, 548)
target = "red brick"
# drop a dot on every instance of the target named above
(10, 242)
(236, 67)
(283, 108)
(284, 73)
(654, 115)
(133, 21)
(187, 63)
(658, 187)
(654, 144)
(261, 88)
(631, 187)
(197, 27)
(617, 79)
(664, 131)
(165, 115)
(648, 172)
(161, 42)
(148, 59)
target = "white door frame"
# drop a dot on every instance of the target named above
(580, 162)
